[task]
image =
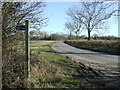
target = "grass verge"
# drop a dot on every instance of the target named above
(50, 70)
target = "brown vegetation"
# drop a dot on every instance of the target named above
(109, 46)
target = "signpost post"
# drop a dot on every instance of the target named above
(27, 48)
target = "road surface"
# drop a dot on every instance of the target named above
(86, 55)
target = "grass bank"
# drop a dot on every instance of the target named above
(107, 46)
(50, 70)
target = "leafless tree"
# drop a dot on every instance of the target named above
(13, 14)
(70, 28)
(92, 14)
(74, 26)
(77, 28)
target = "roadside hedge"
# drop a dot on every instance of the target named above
(107, 46)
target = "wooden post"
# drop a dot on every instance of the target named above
(27, 50)
(118, 36)
(0, 56)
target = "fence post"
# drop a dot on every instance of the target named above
(27, 50)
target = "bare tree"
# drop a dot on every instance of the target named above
(92, 14)
(34, 12)
(74, 26)
(77, 28)
(14, 13)
(69, 26)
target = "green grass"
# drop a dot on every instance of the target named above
(50, 70)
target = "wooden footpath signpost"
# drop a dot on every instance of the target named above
(27, 48)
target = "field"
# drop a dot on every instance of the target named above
(50, 70)
(107, 46)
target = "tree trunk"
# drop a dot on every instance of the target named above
(76, 37)
(88, 35)
(70, 36)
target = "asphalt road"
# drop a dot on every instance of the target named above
(87, 55)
